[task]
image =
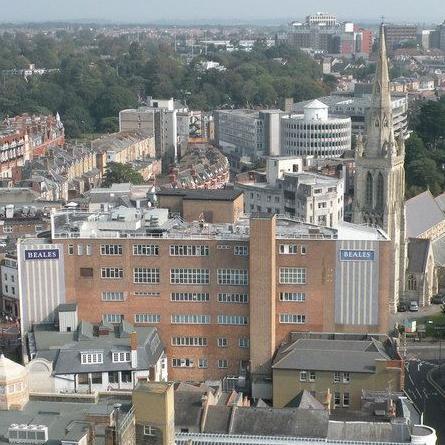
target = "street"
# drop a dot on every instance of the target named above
(425, 397)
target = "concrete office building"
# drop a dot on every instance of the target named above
(315, 133)
(222, 296)
(287, 189)
(250, 133)
(397, 34)
(168, 120)
(356, 105)
(10, 286)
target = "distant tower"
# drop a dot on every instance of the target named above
(380, 173)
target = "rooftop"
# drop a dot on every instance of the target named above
(423, 204)
(322, 353)
(153, 223)
(203, 195)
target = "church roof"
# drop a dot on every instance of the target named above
(10, 370)
(422, 213)
(418, 250)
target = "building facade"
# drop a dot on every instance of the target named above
(315, 133)
(380, 175)
(10, 286)
(222, 296)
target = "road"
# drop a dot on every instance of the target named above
(428, 311)
(426, 398)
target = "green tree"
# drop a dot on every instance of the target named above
(117, 173)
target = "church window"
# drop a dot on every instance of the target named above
(369, 186)
(412, 282)
(380, 191)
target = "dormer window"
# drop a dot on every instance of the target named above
(91, 358)
(121, 357)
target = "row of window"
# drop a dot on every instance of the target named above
(95, 378)
(153, 250)
(292, 249)
(145, 275)
(233, 320)
(222, 342)
(94, 358)
(339, 377)
(202, 363)
(202, 297)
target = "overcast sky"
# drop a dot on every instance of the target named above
(149, 11)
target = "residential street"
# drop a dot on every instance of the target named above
(426, 398)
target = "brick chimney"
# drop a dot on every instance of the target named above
(134, 349)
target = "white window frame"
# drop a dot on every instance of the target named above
(203, 363)
(189, 250)
(233, 277)
(189, 276)
(190, 297)
(303, 376)
(223, 342)
(111, 249)
(121, 357)
(146, 275)
(337, 376)
(229, 298)
(91, 358)
(112, 318)
(190, 319)
(292, 318)
(149, 430)
(346, 377)
(346, 399)
(233, 320)
(312, 376)
(293, 297)
(184, 341)
(111, 273)
(244, 342)
(147, 318)
(293, 275)
(223, 363)
(241, 250)
(145, 250)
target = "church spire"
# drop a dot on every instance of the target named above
(380, 139)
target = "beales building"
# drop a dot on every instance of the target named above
(222, 296)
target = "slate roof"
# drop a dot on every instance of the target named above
(330, 355)
(305, 400)
(212, 195)
(422, 213)
(440, 200)
(64, 348)
(418, 250)
(280, 422)
(188, 408)
(439, 251)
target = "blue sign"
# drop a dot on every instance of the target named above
(44, 254)
(357, 255)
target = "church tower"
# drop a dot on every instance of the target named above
(380, 174)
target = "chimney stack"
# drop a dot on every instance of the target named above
(134, 349)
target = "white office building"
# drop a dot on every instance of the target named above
(10, 286)
(315, 133)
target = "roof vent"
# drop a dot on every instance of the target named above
(28, 434)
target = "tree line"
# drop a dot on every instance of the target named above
(98, 75)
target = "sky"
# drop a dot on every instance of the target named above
(194, 11)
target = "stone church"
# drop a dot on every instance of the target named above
(380, 174)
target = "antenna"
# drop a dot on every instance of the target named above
(383, 19)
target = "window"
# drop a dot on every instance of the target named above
(8, 229)
(337, 376)
(369, 190)
(192, 250)
(292, 275)
(147, 318)
(303, 250)
(145, 250)
(149, 430)
(189, 297)
(222, 342)
(412, 282)
(121, 357)
(346, 399)
(189, 341)
(303, 376)
(82, 379)
(112, 318)
(146, 294)
(346, 377)
(223, 364)
(203, 363)
(86, 272)
(233, 298)
(288, 249)
(182, 363)
(113, 377)
(233, 319)
(312, 376)
(189, 276)
(96, 378)
(322, 205)
(190, 319)
(70, 249)
(80, 249)
(113, 296)
(91, 358)
(144, 275)
(89, 250)
(111, 249)
(112, 273)
(126, 377)
(243, 342)
(337, 399)
(292, 319)
(292, 296)
(241, 250)
(380, 192)
(233, 277)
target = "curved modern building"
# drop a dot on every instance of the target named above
(315, 133)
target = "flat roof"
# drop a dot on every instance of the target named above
(203, 195)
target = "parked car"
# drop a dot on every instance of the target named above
(414, 306)
(402, 307)
(438, 299)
